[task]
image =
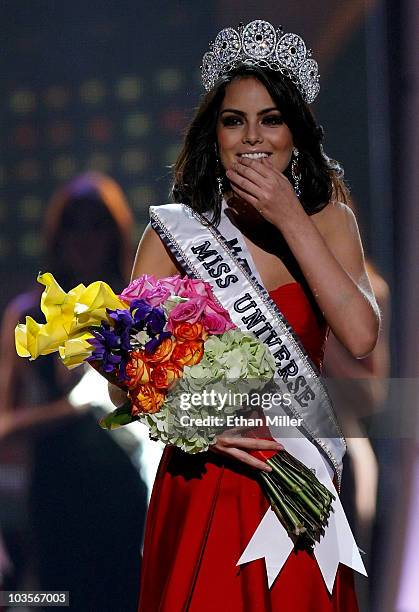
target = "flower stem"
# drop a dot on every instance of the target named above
(300, 501)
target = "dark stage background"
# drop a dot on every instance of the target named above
(110, 86)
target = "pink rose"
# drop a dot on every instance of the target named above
(189, 311)
(155, 291)
(139, 288)
(173, 283)
(192, 287)
(215, 322)
(216, 307)
(165, 288)
(158, 295)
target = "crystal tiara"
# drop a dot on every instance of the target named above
(260, 44)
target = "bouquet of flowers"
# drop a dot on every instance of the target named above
(163, 341)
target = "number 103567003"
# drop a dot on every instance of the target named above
(34, 598)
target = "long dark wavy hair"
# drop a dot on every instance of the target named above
(196, 168)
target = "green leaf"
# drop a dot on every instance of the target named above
(118, 418)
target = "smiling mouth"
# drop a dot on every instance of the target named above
(255, 155)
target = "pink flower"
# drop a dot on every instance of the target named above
(192, 287)
(201, 305)
(214, 317)
(158, 295)
(173, 283)
(139, 288)
(189, 311)
(216, 322)
(155, 291)
(197, 288)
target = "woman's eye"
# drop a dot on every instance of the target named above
(231, 120)
(273, 120)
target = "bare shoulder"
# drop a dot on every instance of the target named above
(335, 219)
(379, 285)
(338, 226)
(153, 257)
(381, 288)
(150, 239)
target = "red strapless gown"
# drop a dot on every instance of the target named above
(203, 511)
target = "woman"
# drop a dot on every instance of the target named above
(80, 508)
(252, 163)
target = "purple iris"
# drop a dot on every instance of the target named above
(152, 318)
(140, 309)
(123, 364)
(106, 344)
(155, 321)
(152, 344)
(112, 341)
(121, 317)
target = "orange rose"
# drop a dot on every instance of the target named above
(164, 375)
(137, 370)
(188, 353)
(162, 352)
(146, 398)
(189, 331)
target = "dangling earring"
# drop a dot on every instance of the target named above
(295, 172)
(220, 186)
(219, 177)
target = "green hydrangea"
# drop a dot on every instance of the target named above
(234, 363)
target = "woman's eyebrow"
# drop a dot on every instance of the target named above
(243, 114)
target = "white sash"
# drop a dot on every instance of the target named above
(220, 257)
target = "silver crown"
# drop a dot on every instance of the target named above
(260, 44)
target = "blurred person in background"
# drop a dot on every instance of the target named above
(359, 390)
(86, 499)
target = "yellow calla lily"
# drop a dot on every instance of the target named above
(75, 351)
(93, 301)
(25, 337)
(68, 317)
